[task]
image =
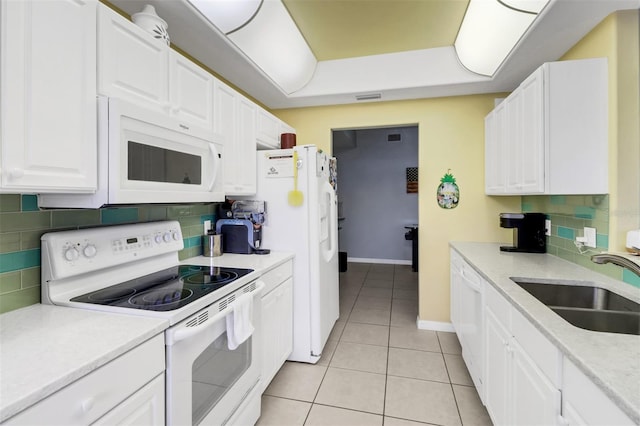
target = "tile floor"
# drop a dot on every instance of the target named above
(377, 367)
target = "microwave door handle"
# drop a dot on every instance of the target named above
(216, 164)
(186, 333)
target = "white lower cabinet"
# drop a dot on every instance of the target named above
(127, 390)
(521, 382)
(584, 404)
(496, 381)
(526, 379)
(145, 407)
(277, 321)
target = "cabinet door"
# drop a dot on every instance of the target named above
(191, 92)
(268, 127)
(245, 183)
(132, 65)
(145, 407)
(495, 152)
(225, 123)
(277, 328)
(497, 364)
(513, 145)
(48, 103)
(531, 139)
(535, 400)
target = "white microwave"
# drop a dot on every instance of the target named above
(147, 157)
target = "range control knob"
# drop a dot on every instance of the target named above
(158, 238)
(175, 235)
(90, 250)
(71, 254)
(166, 237)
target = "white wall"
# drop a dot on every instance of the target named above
(372, 192)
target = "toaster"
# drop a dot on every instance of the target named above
(239, 235)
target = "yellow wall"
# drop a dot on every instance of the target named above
(618, 39)
(451, 136)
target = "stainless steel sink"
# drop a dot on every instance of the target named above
(586, 306)
(609, 321)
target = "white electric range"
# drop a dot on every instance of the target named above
(212, 373)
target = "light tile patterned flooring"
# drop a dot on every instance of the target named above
(377, 368)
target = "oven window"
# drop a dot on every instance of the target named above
(153, 164)
(214, 372)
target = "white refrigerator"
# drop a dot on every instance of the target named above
(310, 231)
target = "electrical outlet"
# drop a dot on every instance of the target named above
(547, 227)
(207, 226)
(590, 237)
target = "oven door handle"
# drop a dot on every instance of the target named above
(188, 332)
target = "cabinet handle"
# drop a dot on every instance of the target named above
(16, 173)
(87, 404)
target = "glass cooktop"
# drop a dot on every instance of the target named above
(165, 290)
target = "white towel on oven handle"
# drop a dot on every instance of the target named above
(239, 326)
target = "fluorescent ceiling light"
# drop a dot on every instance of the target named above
(274, 43)
(228, 15)
(489, 31)
(264, 31)
(531, 6)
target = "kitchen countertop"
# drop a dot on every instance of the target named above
(260, 263)
(44, 348)
(611, 361)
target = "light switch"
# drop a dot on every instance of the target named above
(547, 227)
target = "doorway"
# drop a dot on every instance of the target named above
(377, 192)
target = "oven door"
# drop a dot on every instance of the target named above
(206, 381)
(154, 158)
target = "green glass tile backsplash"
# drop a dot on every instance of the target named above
(22, 224)
(569, 215)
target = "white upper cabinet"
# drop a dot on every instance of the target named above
(48, 103)
(268, 130)
(132, 65)
(235, 121)
(495, 152)
(192, 90)
(135, 66)
(550, 136)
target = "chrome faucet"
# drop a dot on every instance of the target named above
(616, 259)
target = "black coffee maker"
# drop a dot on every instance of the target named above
(528, 232)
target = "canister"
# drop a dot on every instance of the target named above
(287, 140)
(212, 244)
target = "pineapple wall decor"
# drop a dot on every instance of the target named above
(448, 193)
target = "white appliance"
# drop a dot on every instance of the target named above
(134, 269)
(311, 232)
(148, 157)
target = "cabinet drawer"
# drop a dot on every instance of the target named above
(580, 395)
(498, 305)
(90, 397)
(545, 355)
(276, 276)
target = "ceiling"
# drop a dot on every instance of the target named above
(399, 49)
(339, 29)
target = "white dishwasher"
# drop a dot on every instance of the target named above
(467, 301)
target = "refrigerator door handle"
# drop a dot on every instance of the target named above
(333, 222)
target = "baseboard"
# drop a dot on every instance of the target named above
(385, 261)
(435, 325)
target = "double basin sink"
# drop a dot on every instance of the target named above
(585, 305)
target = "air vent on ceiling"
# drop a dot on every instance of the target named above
(394, 137)
(368, 96)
